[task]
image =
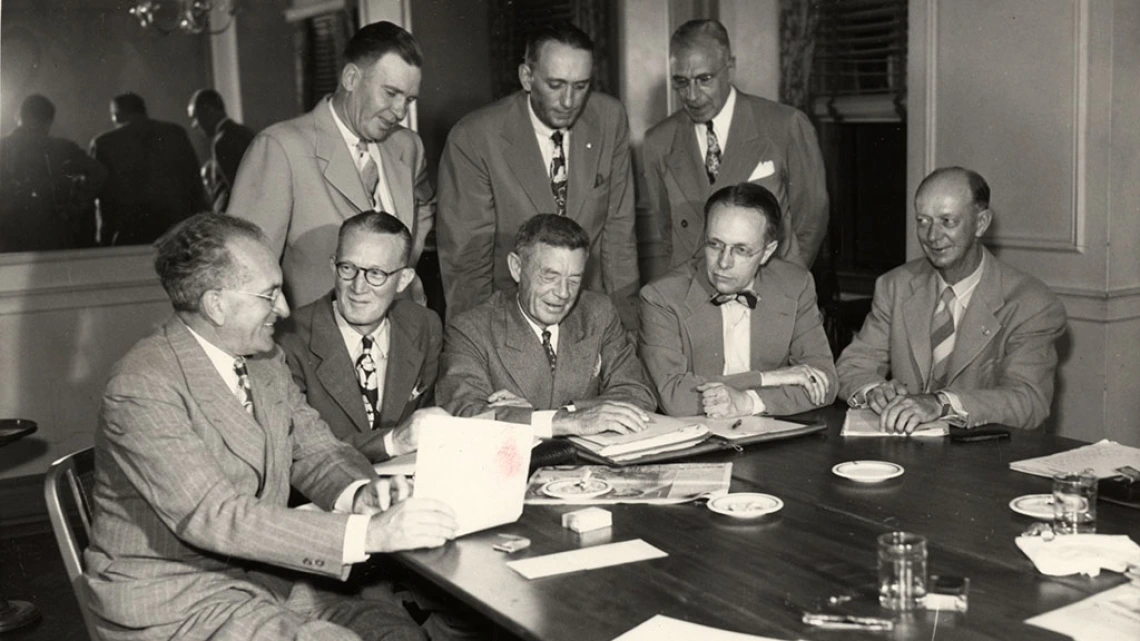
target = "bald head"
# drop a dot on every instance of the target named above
(952, 212)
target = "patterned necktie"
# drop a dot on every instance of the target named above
(941, 340)
(745, 298)
(712, 156)
(558, 173)
(550, 355)
(369, 174)
(366, 376)
(244, 391)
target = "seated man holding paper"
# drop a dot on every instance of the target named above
(546, 354)
(737, 332)
(366, 361)
(956, 335)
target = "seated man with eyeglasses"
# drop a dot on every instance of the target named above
(366, 361)
(737, 331)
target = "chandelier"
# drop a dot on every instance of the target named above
(188, 16)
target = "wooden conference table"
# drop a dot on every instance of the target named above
(758, 576)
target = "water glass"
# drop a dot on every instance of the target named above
(1074, 503)
(902, 571)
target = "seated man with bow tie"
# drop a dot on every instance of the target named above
(366, 361)
(547, 354)
(736, 331)
(956, 334)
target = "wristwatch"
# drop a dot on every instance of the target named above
(569, 407)
(947, 408)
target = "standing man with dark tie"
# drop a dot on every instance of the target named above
(722, 136)
(300, 179)
(228, 142)
(554, 147)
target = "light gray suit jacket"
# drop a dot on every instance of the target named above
(190, 490)
(298, 182)
(492, 347)
(1004, 357)
(682, 337)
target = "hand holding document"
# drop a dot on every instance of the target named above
(865, 422)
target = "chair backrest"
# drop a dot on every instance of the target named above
(67, 490)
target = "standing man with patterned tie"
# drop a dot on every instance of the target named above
(554, 147)
(366, 360)
(300, 179)
(737, 332)
(956, 335)
(722, 136)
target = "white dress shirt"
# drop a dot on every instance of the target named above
(736, 322)
(383, 194)
(541, 420)
(722, 123)
(542, 134)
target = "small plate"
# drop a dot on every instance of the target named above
(868, 471)
(1038, 506)
(576, 488)
(745, 505)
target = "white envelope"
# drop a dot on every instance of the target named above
(763, 169)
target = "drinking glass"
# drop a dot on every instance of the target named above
(902, 571)
(1074, 503)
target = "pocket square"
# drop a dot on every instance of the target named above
(763, 169)
(417, 391)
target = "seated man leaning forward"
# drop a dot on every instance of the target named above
(200, 435)
(364, 360)
(548, 354)
(956, 335)
(737, 332)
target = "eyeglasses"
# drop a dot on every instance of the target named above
(270, 297)
(375, 277)
(737, 251)
(704, 80)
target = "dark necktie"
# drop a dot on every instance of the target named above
(245, 391)
(712, 156)
(745, 298)
(558, 173)
(550, 355)
(941, 340)
(366, 376)
(369, 174)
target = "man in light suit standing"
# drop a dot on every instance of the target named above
(365, 360)
(956, 335)
(549, 355)
(722, 136)
(554, 147)
(737, 332)
(201, 433)
(300, 179)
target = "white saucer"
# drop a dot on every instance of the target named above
(576, 488)
(745, 505)
(868, 471)
(1038, 506)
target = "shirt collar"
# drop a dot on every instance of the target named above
(540, 128)
(723, 120)
(350, 138)
(965, 287)
(352, 338)
(219, 358)
(538, 329)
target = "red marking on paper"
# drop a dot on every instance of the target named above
(508, 461)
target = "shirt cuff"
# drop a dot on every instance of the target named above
(541, 421)
(858, 400)
(758, 406)
(348, 496)
(355, 535)
(960, 417)
(389, 443)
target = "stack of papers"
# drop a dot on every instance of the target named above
(664, 434)
(1080, 553)
(746, 426)
(1102, 458)
(1108, 616)
(865, 422)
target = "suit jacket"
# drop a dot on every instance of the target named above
(298, 182)
(322, 367)
(1004, 356)
(493, 347)
(492, 180)
(675, 183)
(189, 501)
(227, 148)
(682, 337)
(152, 181)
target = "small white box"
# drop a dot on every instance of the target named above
(591, 518)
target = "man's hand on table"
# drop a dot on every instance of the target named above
(725, 401)
(878, 397)
(907, 411)
(806, 376)
(507, 398)
(606, 416)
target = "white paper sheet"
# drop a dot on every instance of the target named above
(1102, 457)
(1112, 615)
(663, 628)
(865, 422)
(599, 556)
(477, 467)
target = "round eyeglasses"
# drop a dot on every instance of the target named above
(376, 277)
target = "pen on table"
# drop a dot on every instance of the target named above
(847, 622)
(737, 424)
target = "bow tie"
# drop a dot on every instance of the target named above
(745, 298)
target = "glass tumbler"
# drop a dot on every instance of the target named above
(1074, 503)
(902, 571)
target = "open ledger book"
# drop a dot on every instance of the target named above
(865, 422)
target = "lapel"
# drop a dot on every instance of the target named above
(241, 432)
(768, 334)
(524, 157)
(585, 148)
(918, 309)
(979, 324)
(337, 166)
(705, 323)
(398, 173)
(521, 353)
(575, 364)
(687, 168)
(404, 359)
(746, 146)
(336, 371)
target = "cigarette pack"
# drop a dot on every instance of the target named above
(591, 518)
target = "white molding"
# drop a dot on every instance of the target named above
(304, 12)
(867, 108)
(34, 281)
(1100, 306)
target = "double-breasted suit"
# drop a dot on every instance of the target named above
(682, 337)
(769, 144)
(1004, 357)
(492, 179)
(323, 369)
(298, 182)
(493, 347)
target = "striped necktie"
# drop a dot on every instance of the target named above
(244, 390)
(558, 173)
(366, 376)
(941, 340)
(550, 355)
(712, 156)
